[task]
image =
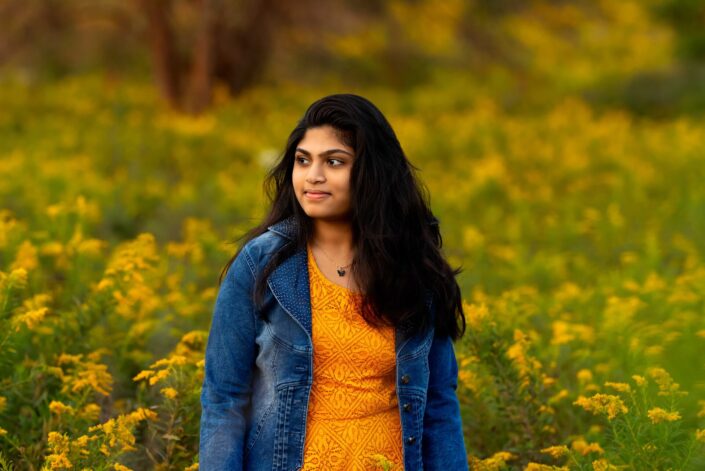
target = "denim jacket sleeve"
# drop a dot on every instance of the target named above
(229, 364)
(443, 442)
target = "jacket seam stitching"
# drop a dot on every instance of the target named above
(250, 265)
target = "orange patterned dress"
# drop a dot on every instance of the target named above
(352, 412)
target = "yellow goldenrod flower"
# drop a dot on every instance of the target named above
(159, 376)
(566, 332)
(82, 441)
(17, 278)
(66, 358)
(658, 415)
(120, 467)
(560, 395)
(58, 461)
(30, 318)
(2, 432)
(59, 445)
(104, 284)
(620, 311)
(700, 435)
(653, 283)
(193, 467)
(118, 436)
(142, 414)
(544, 467)
(3, 403)
(517, 352)
(94, 376)
(556, 451)
(84, 375)
(91, 246)
(494, 463)
(477, 314)
(639, 380)
(549, 429)
(602, 404)
(621, 387)
(547, 380)
(195, 338)
(583, 447)
(169, 393)
(172, 360)
(144, 374)
(466, 376)
(55, 210)
(584, 375)
(58, 441)
(52, 249)
(665, 383)
(504, 456)
(26, 257)
(653, 350)
(90, 412)
(603, 465)
(59, 408)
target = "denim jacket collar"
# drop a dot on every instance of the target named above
(290, 284)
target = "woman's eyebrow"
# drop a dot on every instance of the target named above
(326, 153)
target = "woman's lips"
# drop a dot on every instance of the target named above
(315, 196)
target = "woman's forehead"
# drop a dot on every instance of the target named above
(324, 138)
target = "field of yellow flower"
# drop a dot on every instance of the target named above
(582, 237)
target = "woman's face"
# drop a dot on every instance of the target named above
(321, 174)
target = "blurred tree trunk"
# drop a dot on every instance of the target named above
(161, 42)
(231, 44)
(242, 52)
(202, 79)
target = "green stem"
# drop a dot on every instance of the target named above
(686, 460)
(580, 467)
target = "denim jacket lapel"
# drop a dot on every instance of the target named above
(290, 285)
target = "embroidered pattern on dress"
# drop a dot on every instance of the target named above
(353, 410)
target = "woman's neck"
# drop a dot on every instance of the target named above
(335, 237)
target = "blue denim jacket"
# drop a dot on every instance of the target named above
(258, 374)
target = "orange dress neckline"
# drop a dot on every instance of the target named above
(325, 279)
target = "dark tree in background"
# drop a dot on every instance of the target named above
(194, 44)
(189, 44)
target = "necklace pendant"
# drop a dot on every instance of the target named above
(341, 272)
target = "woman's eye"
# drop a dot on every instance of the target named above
(336, 160)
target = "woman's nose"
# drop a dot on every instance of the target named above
(315, 174)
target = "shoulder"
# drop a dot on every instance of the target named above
(264, 244)
(259, 249)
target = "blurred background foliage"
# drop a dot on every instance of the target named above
(646, 56)
(561, 141)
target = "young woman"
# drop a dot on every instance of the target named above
(331, 339)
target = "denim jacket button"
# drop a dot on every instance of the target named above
(405, 379)
(407, 407)
(410, 440)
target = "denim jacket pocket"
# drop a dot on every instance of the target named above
(289, 433)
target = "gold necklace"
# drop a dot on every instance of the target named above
(340, 269)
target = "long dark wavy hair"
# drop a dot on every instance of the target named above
(396, 237)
